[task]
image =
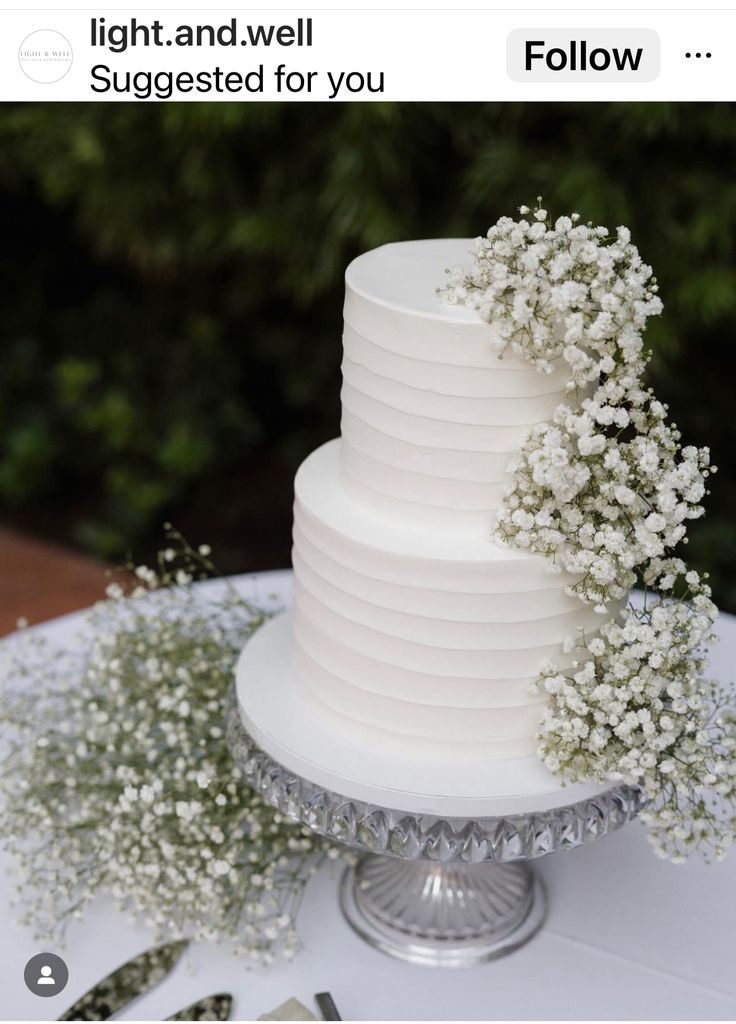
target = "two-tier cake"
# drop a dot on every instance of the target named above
(415, 638)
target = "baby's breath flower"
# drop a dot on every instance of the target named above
(604, 491)
(130, 788)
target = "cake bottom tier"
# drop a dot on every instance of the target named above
(420, 639)
(294, 730)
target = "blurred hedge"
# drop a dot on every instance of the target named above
(172, 288)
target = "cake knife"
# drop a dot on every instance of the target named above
(126, 983)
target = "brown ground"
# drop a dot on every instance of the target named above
(40, 580)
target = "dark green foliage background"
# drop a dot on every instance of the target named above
(172, 289)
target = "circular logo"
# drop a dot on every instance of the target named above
(46, 974)
(45, 56)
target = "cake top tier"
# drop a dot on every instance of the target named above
(391, 299)
(405, 276)
(432, 414)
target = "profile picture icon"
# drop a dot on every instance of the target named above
(45, 56)
(46, 974)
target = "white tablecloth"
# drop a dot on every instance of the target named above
(628, 937)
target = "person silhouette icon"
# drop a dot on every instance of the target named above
(47, 977)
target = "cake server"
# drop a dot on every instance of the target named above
(126, 983)
(216, 1007)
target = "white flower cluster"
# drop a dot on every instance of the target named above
(605, 492)
(119, 778)
(633, 706)
(604, 487)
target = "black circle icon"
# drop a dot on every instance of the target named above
(46, 974)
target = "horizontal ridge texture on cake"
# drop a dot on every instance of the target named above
(413, 630)
(425, 639)
(431, 415)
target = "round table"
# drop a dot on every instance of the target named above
(628, 937)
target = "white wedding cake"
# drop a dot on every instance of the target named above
(413, 631)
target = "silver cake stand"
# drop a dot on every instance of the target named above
(449, 892)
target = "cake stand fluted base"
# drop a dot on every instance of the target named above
(442, 915)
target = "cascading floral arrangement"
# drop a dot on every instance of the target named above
(604, 491)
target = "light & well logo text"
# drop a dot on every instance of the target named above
(45, 56)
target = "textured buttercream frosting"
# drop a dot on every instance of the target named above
(422, 636)
(431, 415)
(412, 628)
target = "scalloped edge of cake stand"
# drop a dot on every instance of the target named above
(286, 723)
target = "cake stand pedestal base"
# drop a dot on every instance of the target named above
(442, 915)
